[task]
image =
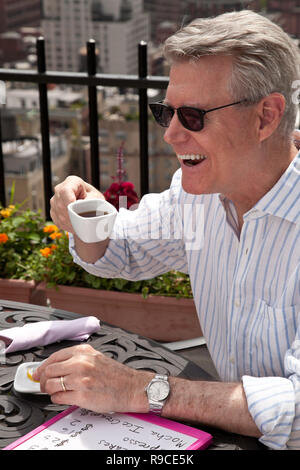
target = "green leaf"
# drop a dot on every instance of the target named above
(16, 221)
(34, 236)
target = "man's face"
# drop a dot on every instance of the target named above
(229, 137)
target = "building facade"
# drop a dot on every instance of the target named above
(117, 26)
(181, 12)
(15, 14)
(289, 15)
(23, 169)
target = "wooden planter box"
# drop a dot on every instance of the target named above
(161, 318)
(17, 290)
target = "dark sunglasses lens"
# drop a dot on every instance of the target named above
(191, 118)
(162, 114)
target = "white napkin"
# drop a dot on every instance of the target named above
(45, 332)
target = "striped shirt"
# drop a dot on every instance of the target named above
(246, 286)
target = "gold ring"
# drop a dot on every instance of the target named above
(63, 384)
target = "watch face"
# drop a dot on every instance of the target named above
(158, 391)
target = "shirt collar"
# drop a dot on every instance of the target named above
(283, 199)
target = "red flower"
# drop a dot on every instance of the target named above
(114, 188)
(121, 188)
(113, 193)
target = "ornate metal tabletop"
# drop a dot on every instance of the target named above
(20, 413)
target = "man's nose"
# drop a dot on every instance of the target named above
(175, 132)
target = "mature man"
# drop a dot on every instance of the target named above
(238, 160)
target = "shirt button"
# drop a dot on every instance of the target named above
(237, 303)
(246, 251)
(231, 360)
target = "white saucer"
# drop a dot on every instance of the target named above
(22, 382)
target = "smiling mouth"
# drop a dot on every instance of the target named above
(192, 159)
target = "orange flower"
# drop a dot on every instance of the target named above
(55, 235)
(6, 213)
(3, 238)
(45, 252)
(53, 247)
(50, 229)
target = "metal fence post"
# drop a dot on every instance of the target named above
(143, 120)
(2, 176)
(45, 132)
(93, 114)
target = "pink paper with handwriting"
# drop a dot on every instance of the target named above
(79, 429)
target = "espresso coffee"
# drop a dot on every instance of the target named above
(92, 219)
(91, 214)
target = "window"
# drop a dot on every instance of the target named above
(121, 135)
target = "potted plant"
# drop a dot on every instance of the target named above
(21, 232)
(36, 267)
(161, 308)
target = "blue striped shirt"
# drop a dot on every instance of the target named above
(246, 286)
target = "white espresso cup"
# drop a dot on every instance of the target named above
(92, 219)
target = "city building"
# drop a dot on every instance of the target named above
(12, 47)
(15, 14)
(17, 18)
(29, 98)
(23, 168)
(22, 140)
(117, 26)
(181, 12)
(288, 14)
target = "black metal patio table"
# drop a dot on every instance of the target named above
(20, 413)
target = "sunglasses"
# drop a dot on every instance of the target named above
(191, 118)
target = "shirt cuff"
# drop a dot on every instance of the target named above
(110, 265)
(271, 403)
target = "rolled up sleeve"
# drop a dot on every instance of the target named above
(271, 403)
(274, 403)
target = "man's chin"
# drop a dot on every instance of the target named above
(191, 188)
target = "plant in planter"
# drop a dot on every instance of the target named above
(161, 308)
(35, 254)
(21, 232)
(54, 265)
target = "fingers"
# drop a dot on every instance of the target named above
(57, 364)
(82, 376)
(58, 356)
(67, 375)
(61, 393)
(55, 385)
(65, 398)
(71, 189)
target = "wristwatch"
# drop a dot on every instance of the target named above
(157, 391)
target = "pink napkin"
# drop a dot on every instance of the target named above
(46, 332)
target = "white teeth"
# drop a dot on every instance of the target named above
(192, 157)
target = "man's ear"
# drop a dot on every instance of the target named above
(270, 112)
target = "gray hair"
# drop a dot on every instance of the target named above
(265, 58)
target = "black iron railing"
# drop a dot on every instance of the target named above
(90, 79)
